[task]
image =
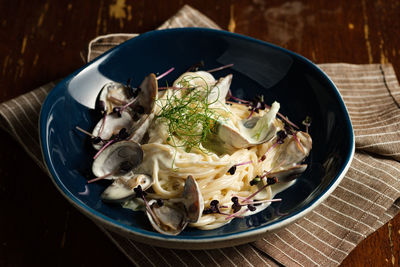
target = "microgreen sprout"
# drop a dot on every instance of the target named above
(196, 66)
(95, 139)
(270, 181)
(281, 135)
(103, 147)
(130, 103)
(85, 132)
(232, 169)
(307, 122)
(215, 208)
(256, 105)
(235, 206)
(165, 73)
(220, 68)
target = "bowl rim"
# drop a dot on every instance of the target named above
(251, 232)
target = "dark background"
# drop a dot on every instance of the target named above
(41, 41)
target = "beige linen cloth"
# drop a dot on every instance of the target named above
(366, 199)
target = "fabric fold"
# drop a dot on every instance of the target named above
(366, 199)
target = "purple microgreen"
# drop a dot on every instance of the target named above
(232, 170)
(117, 110)
(285, 119)
(220, 68)
(269, 149)
(128, 104)
(123, 134)
(196, 66)
(281, 135)
(307, 122)
(237, 214)
(235, 206)
(244, 163)
(102, 177)
(251, 113)
(241, 101)
(96, 140)
(269, 182)
(104, 147)
(256, 104)
(85, 132)
(259, 202)
(251, 207)
(215, 208)
(165, 73)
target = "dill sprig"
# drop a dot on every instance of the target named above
(188, 115)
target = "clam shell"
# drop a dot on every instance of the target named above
(192, 199)
(112, 126)
(118, 91)
(122, 188)
(170, 218)
(220, 90)
(148, 94)
(109, 161)
(251, 132)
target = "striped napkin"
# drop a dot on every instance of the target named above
(367, 198)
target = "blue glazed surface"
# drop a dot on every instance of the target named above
(259, 68)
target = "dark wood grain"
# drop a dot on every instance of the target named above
(46, 40)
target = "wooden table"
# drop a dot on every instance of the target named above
(42, 41)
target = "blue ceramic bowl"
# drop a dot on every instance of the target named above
(259, 68)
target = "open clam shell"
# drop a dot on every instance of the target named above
(113, 95)
(169, 219)
(220, 90)
(110, 161)
(147, 95)
(294, 151)
(251, 132)
(112, 125)
(192, 199)
(122, 188)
